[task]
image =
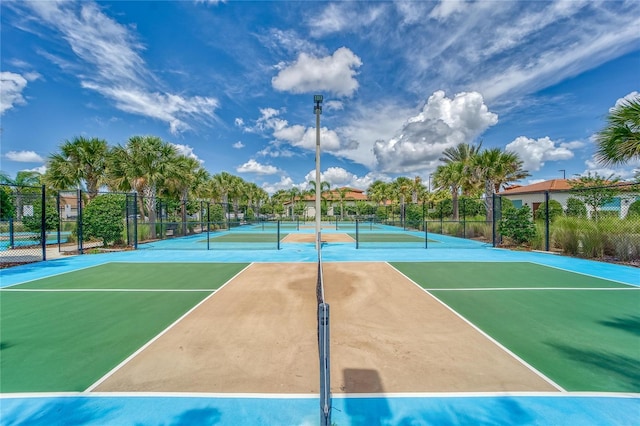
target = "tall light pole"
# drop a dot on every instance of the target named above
(564, 175)
(317, 99)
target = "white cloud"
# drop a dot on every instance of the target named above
(187, 151)
(441, 124)
(239, 122)
(11, 87)
(238, 145)
(534, 152)
(297, 135)
(624, 171)
(344, 17)
(339, 177)
(285, 183)
(446, 8)
(252, 166)
(109, 62)
(631, 96)
(24, 156)
(334, 74)
(333, 105)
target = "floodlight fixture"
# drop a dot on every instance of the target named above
(317, 99)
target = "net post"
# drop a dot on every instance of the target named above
(325, 365)
(357, 234)
(278, 235)
(426, 234)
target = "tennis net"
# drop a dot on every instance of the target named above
(323, 347)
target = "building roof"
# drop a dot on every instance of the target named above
(552, 185)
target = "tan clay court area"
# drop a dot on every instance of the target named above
(257, 334)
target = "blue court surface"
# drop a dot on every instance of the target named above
(558, 408)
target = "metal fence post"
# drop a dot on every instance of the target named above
(43, 224)
(546, 220)
(79, 222)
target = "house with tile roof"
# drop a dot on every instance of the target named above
(559, 190)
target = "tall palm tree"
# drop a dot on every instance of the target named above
(324, 188)
(80, 161)
(450, 176)
(402, 187)
(184, 177)
(380, 192)
(619, 141)
(223, 182)
(465, 154)
(495, 169)
(143, 165)
(417, 189)
(342, 195)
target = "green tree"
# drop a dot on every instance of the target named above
(451, 176)
(619, 141)
(634, 210)
(595, 190)
(465, 154)
(495, 169)
(103, 218)
(7, 207)
(23, 184)
(143, 165)
(33, 221)
(80, 161)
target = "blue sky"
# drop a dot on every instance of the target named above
(232, 83)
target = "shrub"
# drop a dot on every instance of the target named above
(516, 224)
(103, 218)
(634, 210)
(566, 235)
(555, 210)
(576, 208)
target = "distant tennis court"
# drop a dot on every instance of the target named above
(185, 336)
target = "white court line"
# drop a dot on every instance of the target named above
(203, 395)
(582, 273)
(55, 275)
(535, 288)
(90, 290)
(146, 345)
(491, 339)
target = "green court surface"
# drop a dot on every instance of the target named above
(65, 332)
(581, 332)
(246, 237)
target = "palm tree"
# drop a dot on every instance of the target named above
(223, 182)
(380, 192)
(402, 186)
(79, 161)
(495, 169)
(450, 176)
(143, 165)
(619, 141)
(324, 187)
(465, 154)
(184, 177)
(19, 186)
(342, 195)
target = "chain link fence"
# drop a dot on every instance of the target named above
(600, 223)
(27, 224)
